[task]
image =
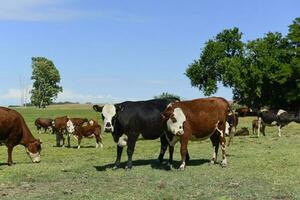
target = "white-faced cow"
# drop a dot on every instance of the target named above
(127, 120)
(44, 123)
(89, 130)
(14, 131)
(199, 118)
(277, 117)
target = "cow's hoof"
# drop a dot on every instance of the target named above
(127, 168)
(224, 163)
(78, 147)
(212, 162)
(115, 167)
(181, 168)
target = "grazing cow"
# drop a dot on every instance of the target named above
(127, 120)
(59, 127)
(277, 117)
(200, 118)
(44, 123)
(92, 129)
(14, 131)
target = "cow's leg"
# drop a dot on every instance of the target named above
(119, 154)
(279, 129)
(58, 138)
(79, 141)
(183, 150)
(130, 148)
(68, 138)
(171, 152)
(9, 154)
(63, 139)
(231, 135)
(215, 142)
(163, 147)
(263, 128)
(223, 147)
(259, 123)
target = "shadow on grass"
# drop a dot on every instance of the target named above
(155, 164)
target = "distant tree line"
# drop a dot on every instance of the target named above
(261, 72)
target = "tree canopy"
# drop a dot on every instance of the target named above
(166, 95)
(46, 78)
(261, 72)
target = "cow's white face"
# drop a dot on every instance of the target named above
(176, 121)
(70, 126)
(108, 112)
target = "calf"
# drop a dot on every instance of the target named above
(72, 124)
(59, 127)
(255, 126)
(14, 131)
(127, 120)
(92, 129)
(200, 118)
(44, 123)
(277, 117)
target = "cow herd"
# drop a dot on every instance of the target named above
(169, 119)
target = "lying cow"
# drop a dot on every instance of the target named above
(127, 120)
(14, 131)
(91, 129)
(200, 118)
(44, 123)
(277, 117)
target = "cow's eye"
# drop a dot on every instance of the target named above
(173, 119)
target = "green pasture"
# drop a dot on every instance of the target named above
(258, 168)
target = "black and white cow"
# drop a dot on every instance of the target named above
(127, 120)
(277, 117)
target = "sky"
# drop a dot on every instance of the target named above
(112, 51)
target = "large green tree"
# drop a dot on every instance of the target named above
(46, 79)
(166, 95)
(261, 72)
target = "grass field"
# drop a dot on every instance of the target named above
(258, 168)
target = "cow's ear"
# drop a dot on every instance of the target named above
(97, 108)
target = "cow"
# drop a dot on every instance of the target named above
(91, 129)
(127, 120)
(59, 127)
(73, 124)
(44, 123)
(232, 122)
(278, 117)
(200, 118)
(243, 111)
(14, 131)
(255, 126)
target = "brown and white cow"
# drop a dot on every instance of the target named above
(91, 129)
(72, 124)
(200, 118)
(14, 131)
(44, 123)
(255, 126)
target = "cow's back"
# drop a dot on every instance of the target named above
(10, 125)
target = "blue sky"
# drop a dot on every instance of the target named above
(110, 51)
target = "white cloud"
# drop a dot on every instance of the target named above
(17, 95)
(69, 95)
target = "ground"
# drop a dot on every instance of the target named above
(258, 168)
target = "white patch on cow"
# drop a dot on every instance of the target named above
(250, 110)
(263, 110)
(182, 166)
(259, 123)
(169, 105)
(176, 127)
(108, 111)
(76, 137)
(279, 131)
(78, 147)
(280, 111)
(70, 126)
(227, 128)
(122, 141)
(91, 122)
(35, 157)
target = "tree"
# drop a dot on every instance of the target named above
(261, 72)
(166, 95)
(46, 78)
